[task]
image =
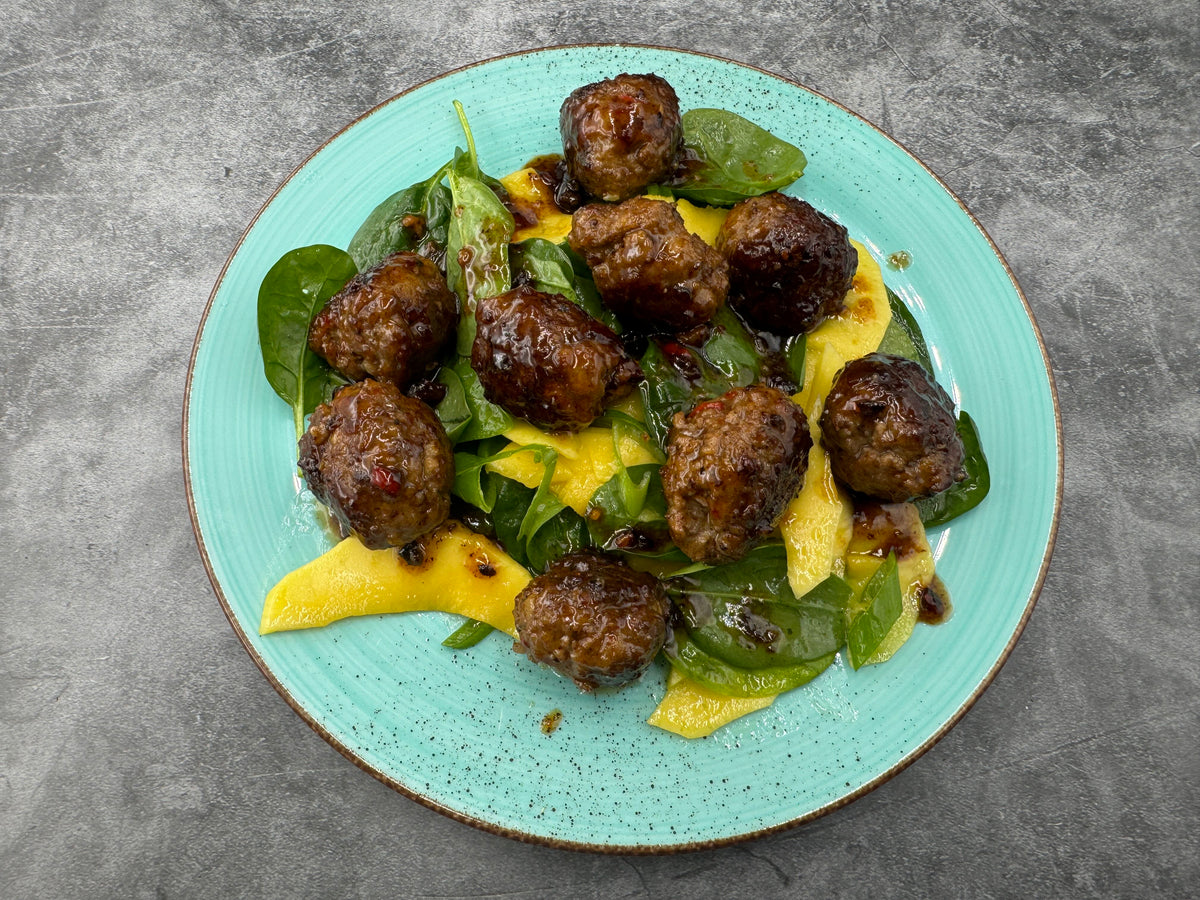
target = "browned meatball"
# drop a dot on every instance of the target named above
(889, 429)
(733, 465)
(593, 618)
(621, 135)
(543, 358)
(380, 461)
(790, 266)
(648, 267)
(390, 322)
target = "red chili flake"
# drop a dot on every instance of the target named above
(385, 480)
(709, 404)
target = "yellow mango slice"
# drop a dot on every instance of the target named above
(816, 525)
(854, 332)
(462, 572)
(703, 221)
(691, 710)
(533, 195)
(896, 527)
(586, 459)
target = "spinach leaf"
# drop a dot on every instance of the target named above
(465, 412)
(903, 335)
(529, 529)
(758, 634)
(719, 676)
(678, 376)
(468, 634)
(795, 349)
(903, 338)
(466, 162)
(732, 158)
(966, 494)
(761, 573)
(746, 614)
(416, 218)
(883, 605)
(548, 267)
(292, 293)
(632, 499)
(563, 533)
(481, 228)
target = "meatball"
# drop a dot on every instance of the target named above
(621, 135)
(390, 322)
(733, 465)
(790, 266)
(593, 618)
(380, 461)
(647, 266)
(889, 430)
(543, 358)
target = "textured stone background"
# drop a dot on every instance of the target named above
(141, 752)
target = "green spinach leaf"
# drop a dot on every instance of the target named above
(882, 604)
(732, 158)
(465, 412)
(292, 293)
(966, 494)
(678, 376)
(468, 634)
(415, 219)
(719, 676)
(903, 335)
(477, 266)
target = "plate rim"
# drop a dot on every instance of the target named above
(588, 846)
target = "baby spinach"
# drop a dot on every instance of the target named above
(678, 376)
(548, 267)
(757, 634)
(292, 293)
(882, 605)
(903, 335)
(962, 495)
(731, 158)
(481, 228)
(745, 613)
(466, 413)
(416, 219)
(723, 678)
(467, 635)
(528, 528)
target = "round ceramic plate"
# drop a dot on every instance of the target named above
(460, 731)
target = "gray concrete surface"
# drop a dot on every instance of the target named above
(141, 752)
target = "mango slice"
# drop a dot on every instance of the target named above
(703, 221)
(462, 572)
(816, 525)
(691, 710)
(528, 190)
(854, 332)
(586, 459)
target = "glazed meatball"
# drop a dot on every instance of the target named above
(593, 618)
(733, 465)
(889, 429)
(647, 266)
(390, 322)
(621, 135)
(543, 358)
(380, 461)
(790, 266)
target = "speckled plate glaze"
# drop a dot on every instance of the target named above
(460, 732)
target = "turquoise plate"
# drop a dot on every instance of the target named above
(460, 731)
